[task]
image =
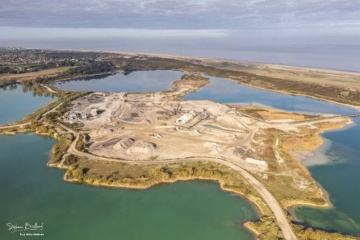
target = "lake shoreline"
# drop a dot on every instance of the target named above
(147, 185)
(355, 107)
(205, 64)
(259, 208)
(222, 185)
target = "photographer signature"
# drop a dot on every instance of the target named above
(26, 227)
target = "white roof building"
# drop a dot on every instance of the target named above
(186, 117)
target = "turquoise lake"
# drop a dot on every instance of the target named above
(17, 101)
(140, 81)
(31, 192)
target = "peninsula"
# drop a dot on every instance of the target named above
(137, 140)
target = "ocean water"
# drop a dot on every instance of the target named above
(336, 50)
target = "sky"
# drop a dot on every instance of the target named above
(321, 33)
(181, 14)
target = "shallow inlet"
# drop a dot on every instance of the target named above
(33, 193)
(340, 177)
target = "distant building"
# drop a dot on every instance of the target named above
(186, 117)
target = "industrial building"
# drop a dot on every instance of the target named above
(186, 117)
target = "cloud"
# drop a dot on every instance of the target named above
(71, 33)
(183, 14)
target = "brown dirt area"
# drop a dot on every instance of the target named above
(33, 75)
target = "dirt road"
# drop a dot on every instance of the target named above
(48, 88)
(14, 126)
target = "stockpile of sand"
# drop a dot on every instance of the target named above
(215, 148)
(124, 143)
(131, 113)
(142, 147)
(238, 151)
(155, 135)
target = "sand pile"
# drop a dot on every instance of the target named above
(130, 114)
(216, 148)
(124, 143)
(238, 151)
(142, 147)
(155, 135)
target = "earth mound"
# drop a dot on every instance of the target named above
(124, 143)
(142, 147)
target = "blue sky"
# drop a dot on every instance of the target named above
(182, 14)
